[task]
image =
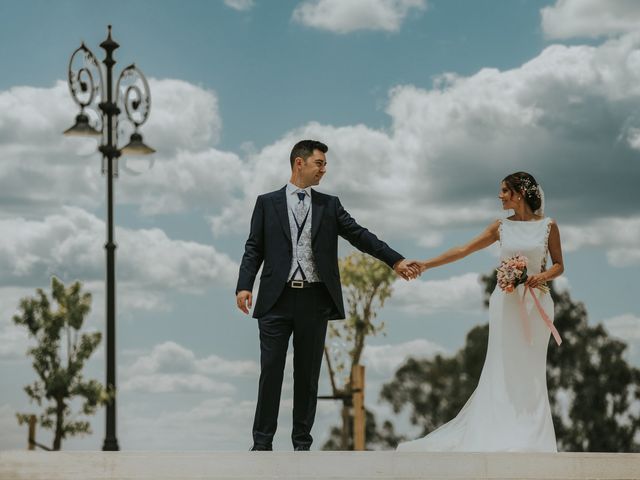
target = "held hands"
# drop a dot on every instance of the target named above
(408, 269)
(244, 300)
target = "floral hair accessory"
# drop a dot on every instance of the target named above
(528, 188)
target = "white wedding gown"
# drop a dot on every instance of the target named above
(509, 410)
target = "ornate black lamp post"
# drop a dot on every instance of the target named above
(132, 92)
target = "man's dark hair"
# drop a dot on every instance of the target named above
(304, 149)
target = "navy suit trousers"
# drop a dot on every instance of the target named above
(303, 313)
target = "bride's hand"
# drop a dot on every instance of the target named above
(534, 281)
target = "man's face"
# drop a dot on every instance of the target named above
(311, 171)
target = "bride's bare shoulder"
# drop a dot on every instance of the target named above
(553, 225)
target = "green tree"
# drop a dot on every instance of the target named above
(588, 370)
(367, 283)
(59, 357)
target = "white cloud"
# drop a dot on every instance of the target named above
(222, 423)
(13, 342)
(43, 170)
(70, 244)
(440, 163)
(213, 424)
(170, 367)
(186, 266)
(626, 327)
(133, 297)
(340, 16)
(170, 357)
(215, 365)
(186, 181)
(633, 138)
(562, 284)
(35, 116)
(391, 183)
(441, 159)
(590, 18)
(430, 240)
(461, 293)
(185, 383)
(240, 5)
(620, 236)
(183, 116)
(40, 167)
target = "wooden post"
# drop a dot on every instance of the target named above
(32, 433)
(359, 416)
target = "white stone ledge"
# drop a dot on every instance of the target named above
(23, 465)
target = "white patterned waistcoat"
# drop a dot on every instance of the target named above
(302, 252)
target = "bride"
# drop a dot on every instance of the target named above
(509, 409)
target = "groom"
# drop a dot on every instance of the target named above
(294, 231)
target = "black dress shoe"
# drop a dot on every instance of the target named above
(302, 448)
(261, 448)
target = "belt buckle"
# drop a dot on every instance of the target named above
(297, 284)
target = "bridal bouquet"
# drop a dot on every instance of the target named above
(513, 272)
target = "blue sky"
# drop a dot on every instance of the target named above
(425, 106)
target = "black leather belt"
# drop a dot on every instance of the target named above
(303, 284)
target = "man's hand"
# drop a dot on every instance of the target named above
(244, 300)
(407, 269)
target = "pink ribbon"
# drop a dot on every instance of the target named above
(545, 317)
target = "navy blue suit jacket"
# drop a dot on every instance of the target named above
(270, 242)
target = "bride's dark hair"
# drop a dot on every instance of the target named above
(524, 184)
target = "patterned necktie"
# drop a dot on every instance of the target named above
(300, 211)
